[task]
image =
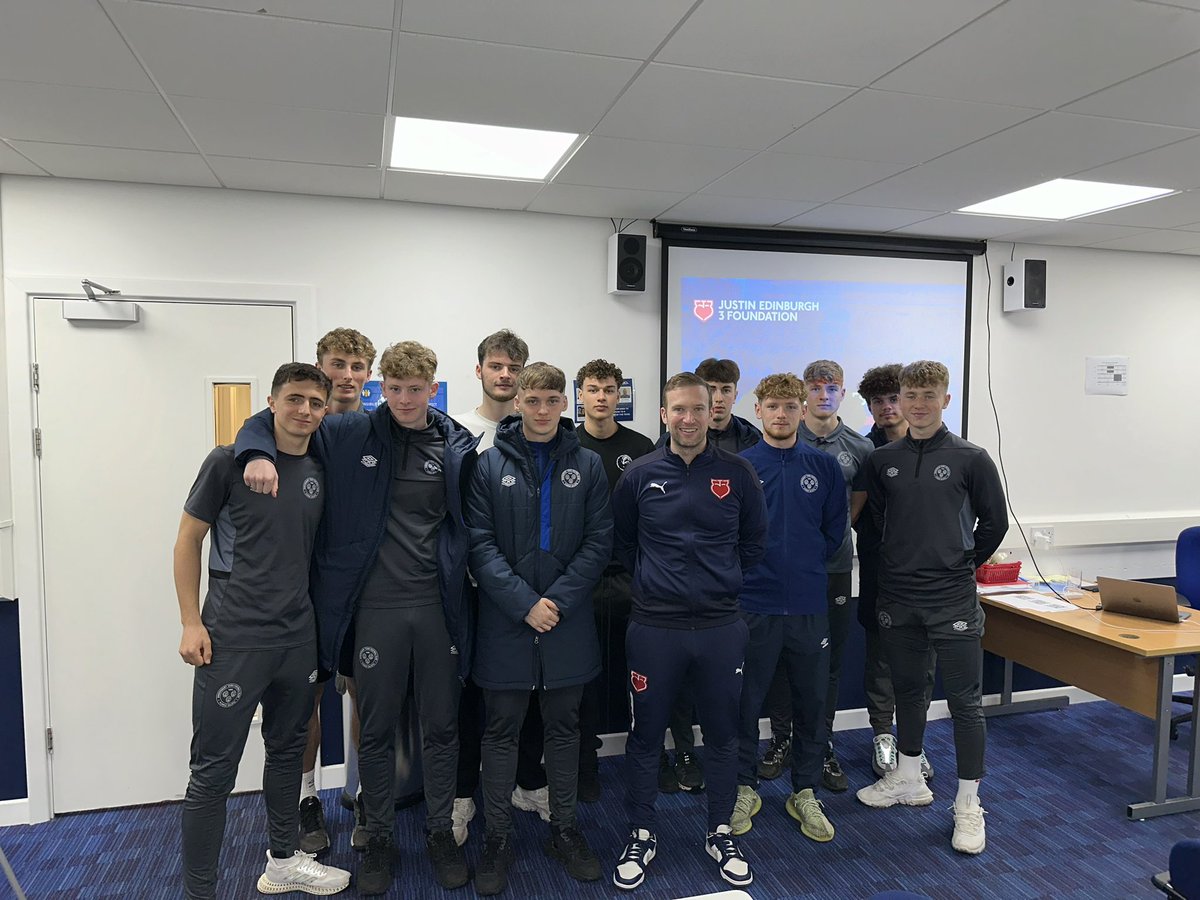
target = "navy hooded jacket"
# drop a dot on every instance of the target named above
(537, 534)
(356, 451)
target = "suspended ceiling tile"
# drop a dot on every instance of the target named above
(1038, 54)
(498, 84)
(628, 28)
(721, 109)
(648, 165)
(119, 164)
(264, 131)
(207, 53)
(849, 42)
(296, 178)
(77, 115)
(458, 190)
(579, 200)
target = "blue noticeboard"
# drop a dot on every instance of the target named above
(624, 410)
(372, 396)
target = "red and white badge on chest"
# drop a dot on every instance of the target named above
(720, 488)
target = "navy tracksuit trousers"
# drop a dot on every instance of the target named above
(661, 661)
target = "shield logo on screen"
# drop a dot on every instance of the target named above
(703, 309)
(720, 487)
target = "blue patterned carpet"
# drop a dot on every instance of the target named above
(1056, 794)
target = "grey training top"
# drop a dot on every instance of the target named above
(406, 573)
(259, 553)
(851, 450)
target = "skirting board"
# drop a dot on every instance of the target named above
(14, 812)
(848, 719)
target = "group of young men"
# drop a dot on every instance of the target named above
(479, 561)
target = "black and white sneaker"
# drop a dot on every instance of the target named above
(631, 867)
(688, 771)
(722, 846)
(314, 838)
(777, 758)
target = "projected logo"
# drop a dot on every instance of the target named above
(702, 309)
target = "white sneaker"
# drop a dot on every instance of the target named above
(301, 873)
(460, 818)
(883, 759)
(892, 789)
(969, 836)
(537, 801)
(723, 847)
(638, 854)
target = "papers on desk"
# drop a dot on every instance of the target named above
(1012, 587)
(1034, 602)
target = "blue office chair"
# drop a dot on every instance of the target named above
(1182, 882)
(1187, 586)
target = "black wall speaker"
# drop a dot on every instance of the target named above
(1025, 285)
(627, 264)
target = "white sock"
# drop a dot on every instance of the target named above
(968, 790)
(308, 785)
(909, 767)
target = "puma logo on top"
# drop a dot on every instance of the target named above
(662, 487)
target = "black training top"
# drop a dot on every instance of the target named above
(259, 553)
(940, 506)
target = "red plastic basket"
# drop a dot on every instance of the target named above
(998, 573)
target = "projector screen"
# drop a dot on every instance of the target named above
(776, 311)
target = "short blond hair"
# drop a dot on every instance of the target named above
(781, 386)
(347, 342)
(408, 359)
(541, 376)
(925, 373)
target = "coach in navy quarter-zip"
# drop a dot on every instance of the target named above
(541, 536)
(689, 520)
(941, 509)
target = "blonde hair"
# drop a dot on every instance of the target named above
(781, 386)
(824, 370)
(408, 359)
(925, 373)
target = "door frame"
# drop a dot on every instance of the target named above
(20, 293)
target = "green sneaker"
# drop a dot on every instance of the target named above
(747, 804)
(807, 810)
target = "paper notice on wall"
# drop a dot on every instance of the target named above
(1106, 375)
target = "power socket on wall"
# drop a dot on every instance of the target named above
(1043, 536)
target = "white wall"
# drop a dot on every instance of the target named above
(1113, 475)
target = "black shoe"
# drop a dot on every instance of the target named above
(588, 787)
(449, 864)
(569, 847)
(491, 875)
(313, 836)
(359, 836)
(832, 776)
(668, 782)
(688, 771)
(375, 873)
(777, 758)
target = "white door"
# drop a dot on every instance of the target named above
(125, 413)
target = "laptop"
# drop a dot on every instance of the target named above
(1138, 598)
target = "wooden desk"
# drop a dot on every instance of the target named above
(1127, 660)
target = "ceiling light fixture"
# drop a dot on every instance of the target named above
(490, 151)
(1065, 198)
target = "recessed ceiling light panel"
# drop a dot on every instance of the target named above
(1065, 198)
(490, 151)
